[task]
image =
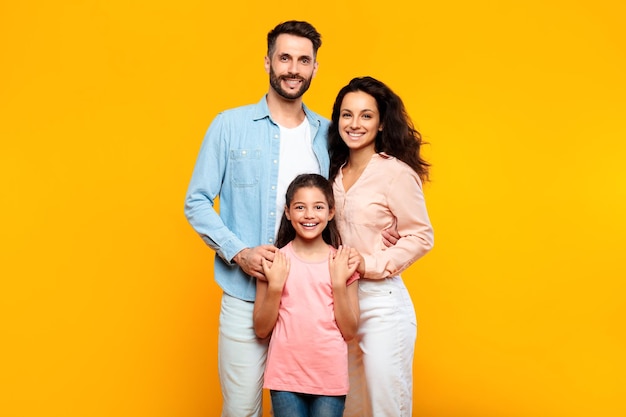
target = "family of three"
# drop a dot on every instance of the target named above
(316, 221)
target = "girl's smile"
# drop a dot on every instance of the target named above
(309, 213)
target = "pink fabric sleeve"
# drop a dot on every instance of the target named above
(405, 199)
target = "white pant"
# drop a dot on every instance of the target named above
(381, 356)
(241, 360)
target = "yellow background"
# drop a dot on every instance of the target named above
(108, 306)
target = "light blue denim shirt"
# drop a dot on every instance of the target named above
(238, 161)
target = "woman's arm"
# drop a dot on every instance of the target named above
(405, 200)
(269, 293)
(346, 299)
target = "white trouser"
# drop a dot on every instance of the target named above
(241, 360)
(381, 356)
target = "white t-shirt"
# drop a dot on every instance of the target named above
(296, 157)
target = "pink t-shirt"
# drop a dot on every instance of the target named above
(307, 353)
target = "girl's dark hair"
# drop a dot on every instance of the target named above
(398, 138)
(297, 28)
(286, 232)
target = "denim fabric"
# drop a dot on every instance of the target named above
(238, 161)
(293, 404)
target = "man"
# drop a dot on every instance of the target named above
(249, 156)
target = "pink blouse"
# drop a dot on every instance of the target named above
(387, 189)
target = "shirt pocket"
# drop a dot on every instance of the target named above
(246, 167)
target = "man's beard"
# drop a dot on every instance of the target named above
(275, 83)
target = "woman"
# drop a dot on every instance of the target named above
(377, 175)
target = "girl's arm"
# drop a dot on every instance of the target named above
(268, 294)
(346, 298)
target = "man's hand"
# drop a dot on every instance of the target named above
(390, 235)
(249, 259)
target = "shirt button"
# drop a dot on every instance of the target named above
(244, 152)
(273, 187)
(275, 161)
(275, 136)
(272, 214)
(270, 240)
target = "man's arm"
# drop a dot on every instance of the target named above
(204, 188)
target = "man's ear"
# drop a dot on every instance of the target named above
(267, 64)
(315, 66)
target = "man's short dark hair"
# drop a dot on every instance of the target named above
(296, 28)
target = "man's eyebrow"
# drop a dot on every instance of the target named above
(287, 54)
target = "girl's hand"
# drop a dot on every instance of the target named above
(342, 267)
(276, 272)
(357, 259)
(249, 259)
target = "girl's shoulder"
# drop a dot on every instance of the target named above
(287, 249)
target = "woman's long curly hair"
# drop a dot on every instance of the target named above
(398, 138)
(286, 232)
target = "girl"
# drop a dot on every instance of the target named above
(377, 175)
(309, 305)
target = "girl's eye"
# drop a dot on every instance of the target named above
(319, 207)
(345, 115)
(367, 116)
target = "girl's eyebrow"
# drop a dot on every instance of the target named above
(315, 202)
